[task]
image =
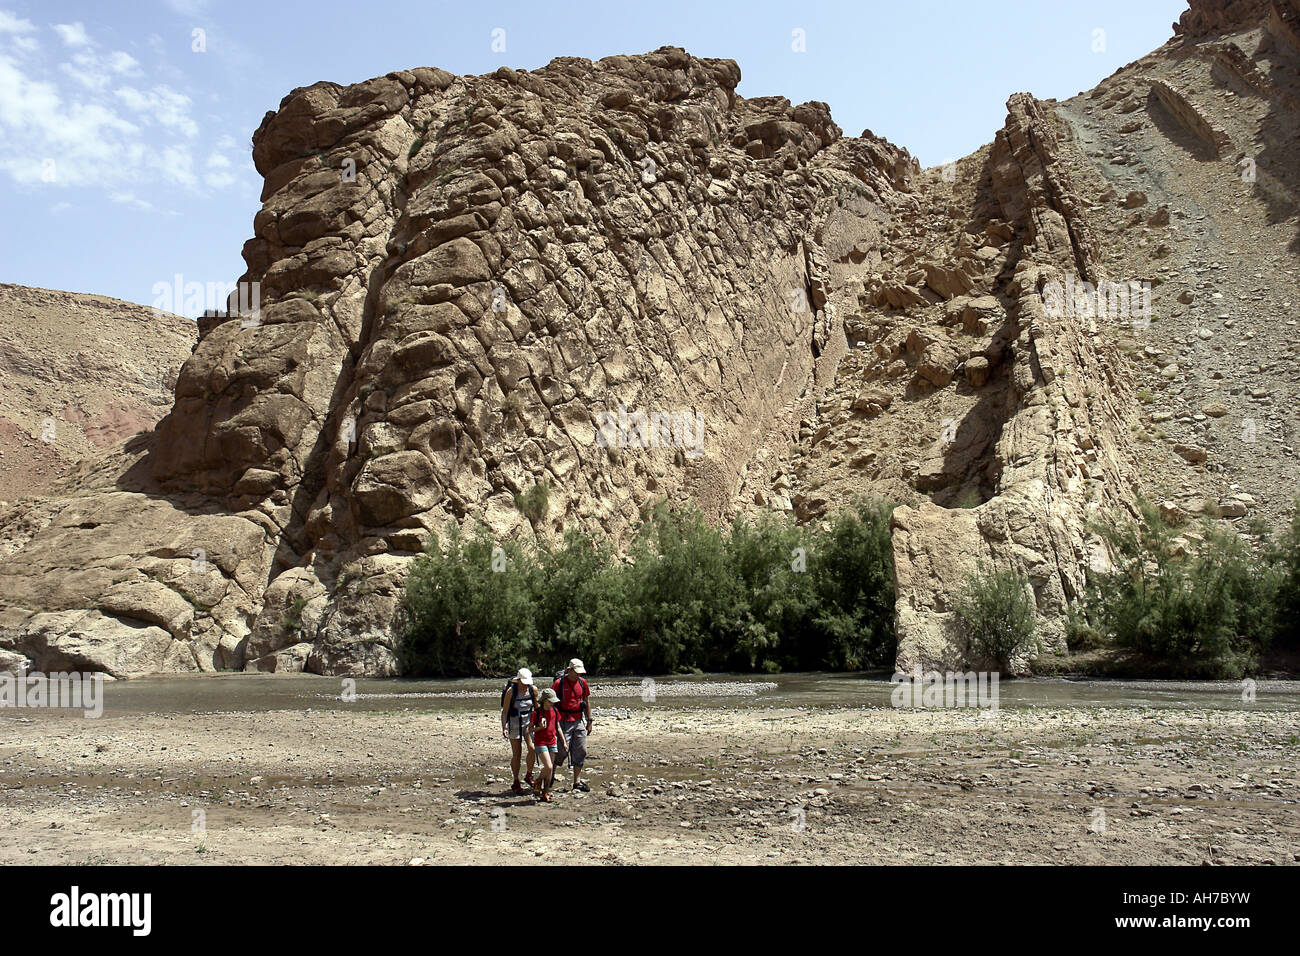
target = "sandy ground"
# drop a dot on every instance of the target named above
(669, 785)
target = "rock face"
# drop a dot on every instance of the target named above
(463, 282)
(626, 282)
(1180, 107)
(1213, 16)
(1008, 414)
(1062, 453)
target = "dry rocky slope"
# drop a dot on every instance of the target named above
(78, 374)
(461, 275)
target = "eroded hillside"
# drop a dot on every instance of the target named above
(78, 373)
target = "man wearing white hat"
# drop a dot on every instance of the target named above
(575, 716)
(517, 703)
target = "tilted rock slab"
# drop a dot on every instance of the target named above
(1182, 109)
(1063, 447)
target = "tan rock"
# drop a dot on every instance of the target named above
(1191, 453)
(937, 364)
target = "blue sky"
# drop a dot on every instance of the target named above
(124, 149)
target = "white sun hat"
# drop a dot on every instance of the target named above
(575, 665)
(525, 676)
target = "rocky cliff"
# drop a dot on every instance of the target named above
(459, 278)
(466, 281)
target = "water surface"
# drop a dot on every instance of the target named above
(236, 693)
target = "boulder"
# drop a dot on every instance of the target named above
(937, 364)
(1194, 454)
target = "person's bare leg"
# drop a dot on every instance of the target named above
(515, 746)
(532, 758)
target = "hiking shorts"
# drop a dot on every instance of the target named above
(518, 727)
(575, 739)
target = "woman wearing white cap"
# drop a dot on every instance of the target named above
(517, 702)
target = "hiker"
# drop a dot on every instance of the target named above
(517, 703)
(575, 717)
(545, 722)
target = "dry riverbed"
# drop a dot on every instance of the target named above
(670, 784)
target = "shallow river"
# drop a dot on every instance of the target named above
(264, 692)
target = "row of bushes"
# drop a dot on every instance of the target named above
(759, 595)
(1209, 610)
(770, 595)
(1175, 608)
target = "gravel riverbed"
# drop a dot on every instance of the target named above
(669, 784)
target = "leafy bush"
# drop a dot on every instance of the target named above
(765, 595)
(1202, 611)
(534, 503)
(470, 607)
(853, 577)
(1287, 562)
(1080, 635)
(292, 620)
(997, 616)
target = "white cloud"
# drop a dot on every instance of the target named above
(83, 119)
(22, 100)
(19, 34)
(72, 34)
(12, 24)
(220, 172)
(189, 8)
(170, 108)
(177, 165)
(130, 199)
(123, 63)
(95, 71)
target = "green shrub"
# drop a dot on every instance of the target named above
(534, 503)
(292, 620)
(1285, 558)
(470, 607)
(1080, 635)
(996, 614)
(687, 608)
(853, 572)
(576, 590)
(1193, 612)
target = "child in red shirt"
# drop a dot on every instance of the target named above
(546, 724)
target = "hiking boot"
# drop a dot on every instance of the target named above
(516, 787)
(581, 785)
